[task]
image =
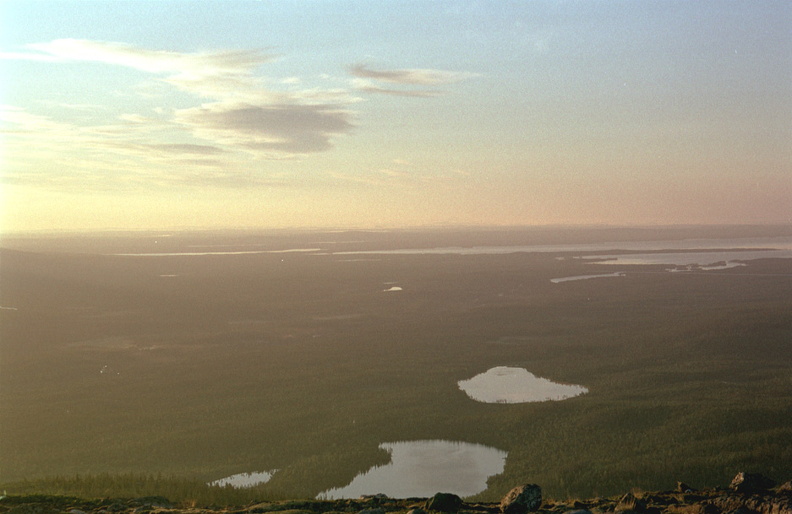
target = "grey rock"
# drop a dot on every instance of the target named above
(260, 507)
(742, 510)
(682, 487)
(750, 483)
(153, 501)
(444, 502)
(786, 487)
(629, 503)
(378, 496)
(378, 510)
(522, 499)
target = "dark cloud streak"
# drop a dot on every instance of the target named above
(416, 77)
(288, 128)
(398, 92)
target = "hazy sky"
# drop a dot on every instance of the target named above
(334, 113)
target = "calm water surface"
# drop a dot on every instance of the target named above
(774, 243)
(505, 384)
(585, 277)
(243, 480)
(423, 468)
(706, 260)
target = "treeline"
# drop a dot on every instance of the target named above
(181, 491)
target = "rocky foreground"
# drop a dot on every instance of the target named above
(747, 494)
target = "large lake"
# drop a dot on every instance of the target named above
(782, 245)
(710, 260)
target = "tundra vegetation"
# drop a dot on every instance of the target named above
(135, 376)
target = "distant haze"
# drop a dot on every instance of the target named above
(273, 114)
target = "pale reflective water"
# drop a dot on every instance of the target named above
(710, 260)
(423, 468)
(505, 384)
(243, 480)
(585, 277)
(775, 243)
(777, 247)
(194, 254)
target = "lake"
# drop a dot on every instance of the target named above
(243, 480)
(505, 384)
(423, 468)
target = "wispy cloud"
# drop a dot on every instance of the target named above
(207, 74)
(152, 61)
(367, 86)
(369, 80)
(187, 149)
(246, 114)
(419, 77)
(238, 116)
(59, 155)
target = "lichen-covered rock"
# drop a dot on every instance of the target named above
(444, 502)
(522, 499)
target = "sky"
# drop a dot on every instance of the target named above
(160, 114)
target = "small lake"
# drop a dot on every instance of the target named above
(423, 468)
(244, 480)
(505, 384)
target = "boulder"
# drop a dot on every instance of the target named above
(522, 499)
(710, 508)
(682, 487)
(444, 502)
(751, 483)
(378, 510)
(629, 503)
(742, 510)
(152, 501)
